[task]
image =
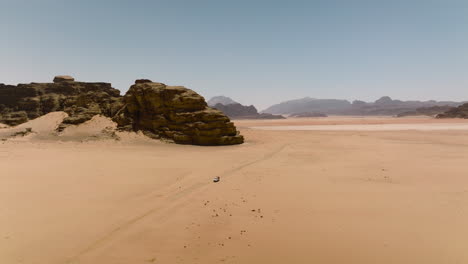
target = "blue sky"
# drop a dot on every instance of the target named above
(257, 52)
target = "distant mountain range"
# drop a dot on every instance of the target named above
(235, 110)
(383, 106)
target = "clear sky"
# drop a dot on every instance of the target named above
(258, 52)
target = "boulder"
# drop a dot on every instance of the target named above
(142, 81)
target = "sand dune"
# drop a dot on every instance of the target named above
(44, 128)
(285, 196)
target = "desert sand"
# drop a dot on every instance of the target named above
(285, 196)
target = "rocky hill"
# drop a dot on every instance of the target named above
(457, 112)
(427, 111)
(238, 111)
(383, 106)
(221, 100)
(80, 100)
(172, 112)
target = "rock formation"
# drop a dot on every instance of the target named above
(238, 111)
(457, 112)
(177, 113)
(172, 112)
(80, 100)
(427, 111)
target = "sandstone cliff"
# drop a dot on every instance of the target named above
(172, 112)
(177, 113)
(80, 100)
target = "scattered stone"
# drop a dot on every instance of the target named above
(23, 133)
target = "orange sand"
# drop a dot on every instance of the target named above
(353, 197)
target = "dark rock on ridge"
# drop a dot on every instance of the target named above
(457, 112)
(172, 112)
(63, 78)
(177, 113)
(238, 111)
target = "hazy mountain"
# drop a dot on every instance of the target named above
(308, 105)
(238, 111)
(383, 106)
(224, 100)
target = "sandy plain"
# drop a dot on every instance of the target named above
(285, 196)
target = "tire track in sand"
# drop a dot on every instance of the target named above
(174, 197)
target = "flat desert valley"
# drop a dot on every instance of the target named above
(325, 190)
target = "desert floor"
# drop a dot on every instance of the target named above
(285, 196)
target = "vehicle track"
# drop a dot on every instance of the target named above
(176, 196)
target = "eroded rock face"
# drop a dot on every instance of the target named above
(158, 110)
(177, 113)
(80, 100)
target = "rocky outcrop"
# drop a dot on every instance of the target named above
(457, 112)
(238, 111)
(80, 100)
(177, 113)
(427, 111)
(172, 112)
